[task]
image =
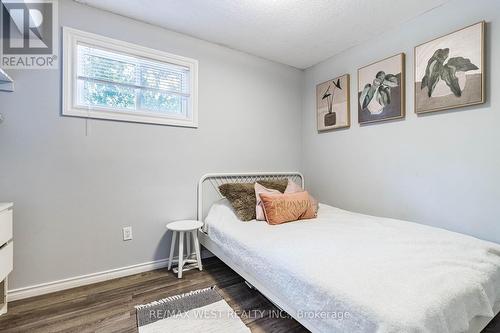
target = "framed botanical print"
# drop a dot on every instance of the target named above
(449, 70)
(381, 90)
(332, 104)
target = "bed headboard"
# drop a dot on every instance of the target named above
(208, 186)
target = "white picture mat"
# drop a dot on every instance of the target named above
(367, 74)
(464, 43)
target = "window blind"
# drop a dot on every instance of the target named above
(115, 80)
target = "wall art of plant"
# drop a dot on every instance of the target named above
(332, 104)
(329, 95)
(330, 118)
(437, 70)
(377, 95)
(449, 70)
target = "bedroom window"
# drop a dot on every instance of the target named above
(109, 79)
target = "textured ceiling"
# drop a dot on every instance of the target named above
(299, 33)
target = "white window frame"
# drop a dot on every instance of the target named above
(72, 37)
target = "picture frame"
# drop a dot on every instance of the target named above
(381, 92)
(333, 104)
(460, 80)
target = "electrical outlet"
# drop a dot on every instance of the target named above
(127, 233)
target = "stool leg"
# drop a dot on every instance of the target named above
(188, 245)
(172, 247)
(197, 249)
(181, 254)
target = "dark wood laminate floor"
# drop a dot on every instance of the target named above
(109, 306)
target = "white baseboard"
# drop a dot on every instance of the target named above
(82, 280)
(77, 281)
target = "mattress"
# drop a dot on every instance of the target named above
(348, 272)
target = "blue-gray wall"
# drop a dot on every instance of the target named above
(442, 168)
(73, 193)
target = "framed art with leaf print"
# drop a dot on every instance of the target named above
(449, 70)
(381, 90)
(333, 104)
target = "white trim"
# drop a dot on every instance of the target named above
(72, 36)
(82, 280)
(86, 279)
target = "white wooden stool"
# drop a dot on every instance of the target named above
(191, 228)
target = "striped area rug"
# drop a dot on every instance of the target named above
(201, 310)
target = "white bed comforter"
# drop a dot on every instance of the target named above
(380, 274)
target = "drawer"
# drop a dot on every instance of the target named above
(6, 258)
(5, 226)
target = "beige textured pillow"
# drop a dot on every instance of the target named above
(242, 196)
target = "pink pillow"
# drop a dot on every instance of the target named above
(281, 208)
(259, 211)
(293, 187)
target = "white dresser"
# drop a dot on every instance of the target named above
(6, 253)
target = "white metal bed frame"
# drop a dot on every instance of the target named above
(476, 325)
(217, 179)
